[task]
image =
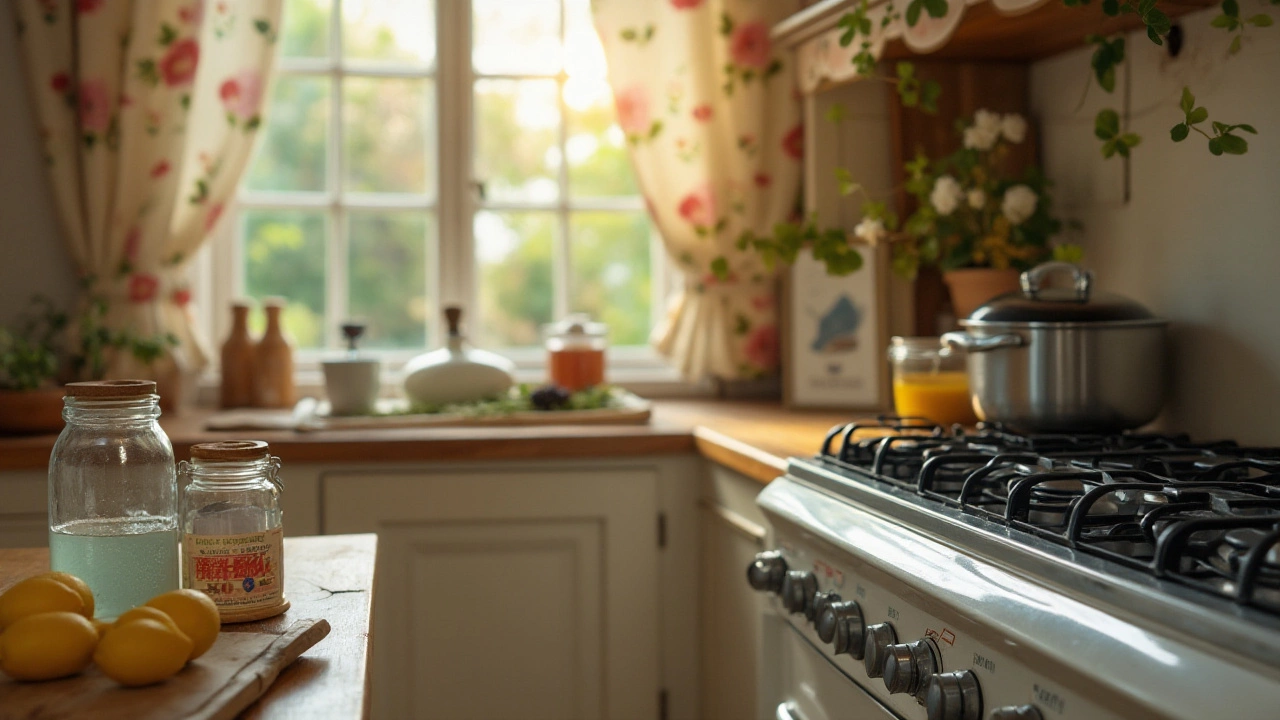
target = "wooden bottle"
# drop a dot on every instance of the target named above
(273, 363)
(237, 361)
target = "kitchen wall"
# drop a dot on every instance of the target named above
(33, 255)
(1198, 239)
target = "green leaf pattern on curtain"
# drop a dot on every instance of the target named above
(147, 112)
(712, 118)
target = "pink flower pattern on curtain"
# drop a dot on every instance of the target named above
(147, 112)
(712, 118)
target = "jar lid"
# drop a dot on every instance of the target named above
(230, 450)
(111, 389)
(579, 325)
(1077, 304)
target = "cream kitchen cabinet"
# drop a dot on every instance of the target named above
(731, 531)
(526, 590)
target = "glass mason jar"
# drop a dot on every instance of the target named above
(113, 499)
(930, 381)
(233, 528)
(575, 352)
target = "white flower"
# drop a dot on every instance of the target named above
(870, 230)
(1019, 203)
(1014, 127)
(946, 195)
(977, 198)
(987, 121)
(978, 138)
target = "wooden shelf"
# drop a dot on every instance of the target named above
(985, 33)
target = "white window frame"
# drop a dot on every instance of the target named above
(451, 271)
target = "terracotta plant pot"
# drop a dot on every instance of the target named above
(970, 288)
(31, 411)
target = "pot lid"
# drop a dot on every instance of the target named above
(1079, 303)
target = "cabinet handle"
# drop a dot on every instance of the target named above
(788, 711)
(752, 530)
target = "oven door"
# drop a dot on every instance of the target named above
(801, 684)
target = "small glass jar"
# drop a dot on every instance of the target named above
(113, 510)
(575, 352)
(233, 528)
(930, 381)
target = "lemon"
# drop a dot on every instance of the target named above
(143, 612)
(48, 645)
(142, 652)
(195, 613)
(37, 595)
(102, 626)
(79, 586)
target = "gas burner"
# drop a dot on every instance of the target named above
(1205, 515)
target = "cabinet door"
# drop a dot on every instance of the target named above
(731, 612)
(24, 510)
(509, 595)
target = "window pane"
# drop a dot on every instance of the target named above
(513, 264)
(520, 37)
(610, 277)
(305, 32)
(400, 30)
(596, 147)
(386, 126)
(291, 155)
(387, 266)
(284, 254)
(517, 154)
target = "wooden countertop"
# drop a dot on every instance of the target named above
(328, 577)
(752, 437)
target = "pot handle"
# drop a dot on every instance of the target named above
(972, 343)
(1081, 279)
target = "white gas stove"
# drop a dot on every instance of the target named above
(920, 572)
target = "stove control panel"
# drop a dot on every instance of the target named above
(908, 665)
(840, 623)
(798, 589)
(876, 648)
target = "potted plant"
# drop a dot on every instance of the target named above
(975, 219)
(30, 396)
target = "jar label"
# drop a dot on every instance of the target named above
(240, 572)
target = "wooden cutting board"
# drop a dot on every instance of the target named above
(224, 681)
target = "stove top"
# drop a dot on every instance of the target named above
(1203, 515)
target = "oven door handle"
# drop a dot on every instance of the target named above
(788, 711)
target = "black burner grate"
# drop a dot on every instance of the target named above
(1203, 514)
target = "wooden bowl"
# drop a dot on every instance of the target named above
(31, 411)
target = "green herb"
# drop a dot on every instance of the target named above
(518, 399)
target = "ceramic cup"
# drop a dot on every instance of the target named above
(352, 385)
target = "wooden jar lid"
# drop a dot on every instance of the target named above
(230, 450)
(111, 389)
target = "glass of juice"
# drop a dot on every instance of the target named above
(575, 352)
(929, 381)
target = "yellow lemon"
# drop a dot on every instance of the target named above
(142, 652)
(48, 645)
(142, 612)
(195, 613)
(79, 586)
(37, 595)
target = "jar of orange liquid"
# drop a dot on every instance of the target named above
(929, 381)
(575, 352)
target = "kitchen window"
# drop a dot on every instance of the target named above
(417, 155)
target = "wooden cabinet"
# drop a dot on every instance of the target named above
(519, 591)
(24, 511)
(731, 531)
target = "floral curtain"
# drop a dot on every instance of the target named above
(147, 112)
(712, 118)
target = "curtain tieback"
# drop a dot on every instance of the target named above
(145, 287)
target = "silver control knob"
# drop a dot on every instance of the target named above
(907, 666)
(953, 696)
(798, 588)
(766, 572)
(840, 623)
(1015, 712)
(876, 647)
(821, 600)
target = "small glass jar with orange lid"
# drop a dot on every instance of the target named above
(575, 352)
(929, 381)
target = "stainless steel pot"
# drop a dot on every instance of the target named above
(1073, 360)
